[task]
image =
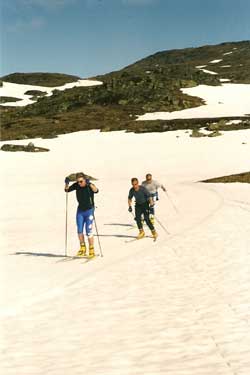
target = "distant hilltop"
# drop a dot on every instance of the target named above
(157, 83)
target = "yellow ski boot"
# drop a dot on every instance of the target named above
(82, 251)
(154, 234)
(91, 252)
(141, 234)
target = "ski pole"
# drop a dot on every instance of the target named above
(132, 215)
(163, 227)
(99, 242)
(92, 204)
(176, 210)
(66, 225)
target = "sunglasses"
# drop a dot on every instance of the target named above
(80, 181)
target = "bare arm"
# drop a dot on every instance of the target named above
(68, 188)
(151, 202)
(129, 202)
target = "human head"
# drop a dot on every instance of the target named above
(135, 183)
(81, 179)
(148, 177)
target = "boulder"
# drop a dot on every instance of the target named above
(27, 148)
(215, 133)
(197, 134)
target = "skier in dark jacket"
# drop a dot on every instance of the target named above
(143, 206)
(85, 191)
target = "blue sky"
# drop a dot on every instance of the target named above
(89, 37)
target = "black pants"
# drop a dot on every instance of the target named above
(143, 209)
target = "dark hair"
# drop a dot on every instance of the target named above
(148, 175)
(80, 175)
(134, 179)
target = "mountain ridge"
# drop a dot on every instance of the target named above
(148, 85)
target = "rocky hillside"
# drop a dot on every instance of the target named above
(182, 64)
(151, 84)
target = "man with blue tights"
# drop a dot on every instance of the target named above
(85, 191)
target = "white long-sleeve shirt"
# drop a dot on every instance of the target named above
(153, 186)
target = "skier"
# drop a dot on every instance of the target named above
(144, 205)
(85, 191)
(152, 186)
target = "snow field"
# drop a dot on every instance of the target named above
(177, 306)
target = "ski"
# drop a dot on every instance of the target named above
(75, 257)
(137, 239)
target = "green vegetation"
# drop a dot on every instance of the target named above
(239, 61)
(151, 84)
(241, 177)
(35, 93)
(6, 99)
(40, 79)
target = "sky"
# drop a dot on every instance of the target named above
(90, 37)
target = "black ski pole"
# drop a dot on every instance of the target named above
(66, 225)
(92, 204)
(132, 215)
(176, 210)
(163, 227)
(99, 242)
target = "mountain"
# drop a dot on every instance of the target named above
(149, 85)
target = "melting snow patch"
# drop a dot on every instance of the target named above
(15, 90)
(225, 80)
(227, 100)
(231, 122)
(227, 53)
(215, 61)
(201, 66)
(226, 66)
(209, 71)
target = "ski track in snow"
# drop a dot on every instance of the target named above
(180, 305)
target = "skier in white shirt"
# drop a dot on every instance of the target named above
(152, 186)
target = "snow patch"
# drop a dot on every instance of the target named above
(234, 122)
(227, 100)
(215, 61)
(209, 71)
(15, 90)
